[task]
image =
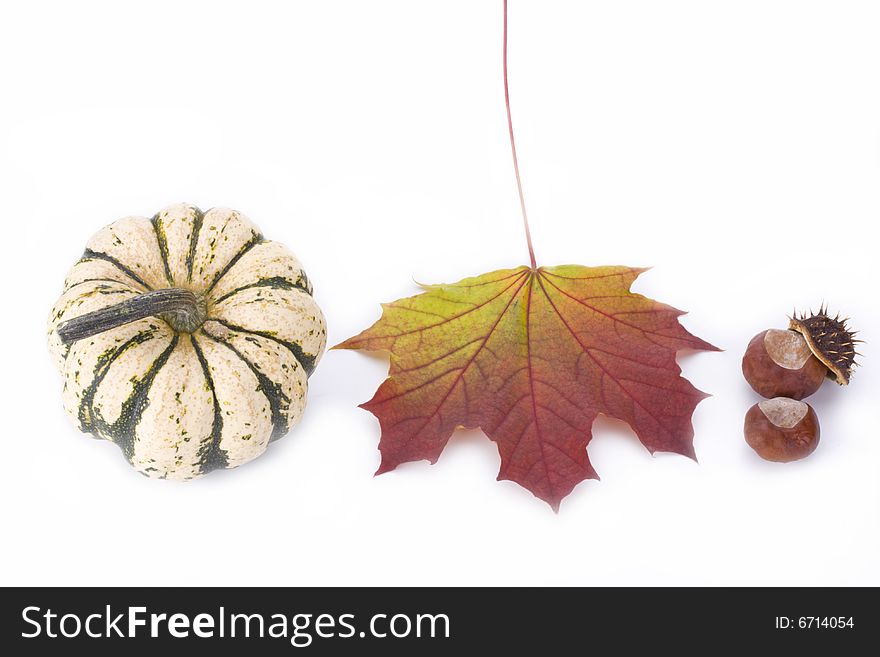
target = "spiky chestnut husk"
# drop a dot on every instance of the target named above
(830, 340)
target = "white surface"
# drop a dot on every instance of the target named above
(733, 146)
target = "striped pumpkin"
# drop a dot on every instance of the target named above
(186, 339)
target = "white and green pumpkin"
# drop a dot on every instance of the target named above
(186, 339)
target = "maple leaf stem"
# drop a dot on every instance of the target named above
(522, 199)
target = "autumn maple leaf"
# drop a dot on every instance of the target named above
(531, 356)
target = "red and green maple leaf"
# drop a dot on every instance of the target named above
(531, 357)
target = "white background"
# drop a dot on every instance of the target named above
(733, 146)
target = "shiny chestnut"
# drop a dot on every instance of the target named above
(779, 363)
(782, 429)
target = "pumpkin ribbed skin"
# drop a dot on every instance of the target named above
(180, 404)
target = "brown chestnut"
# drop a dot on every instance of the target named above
(782, 429)
(780, 364)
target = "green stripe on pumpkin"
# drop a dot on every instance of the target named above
(88, 254)
(163, 246)
(122, 431)
(193, 242)
(275, 283)
(251, 243)
(211, 457)
(279, 403)
(306, 360)
(99, 280)
(86, 412)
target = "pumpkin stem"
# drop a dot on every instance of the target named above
(181, 308)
